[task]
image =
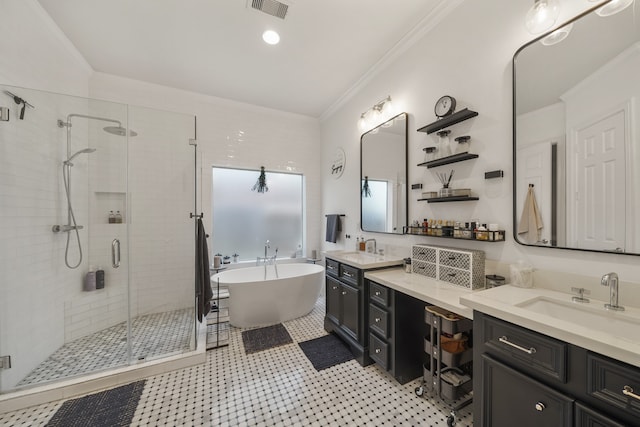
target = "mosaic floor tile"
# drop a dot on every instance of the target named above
(275, 387)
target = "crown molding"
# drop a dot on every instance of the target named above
(440, 11)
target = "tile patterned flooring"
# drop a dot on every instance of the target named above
(153, 335)
(275, 387)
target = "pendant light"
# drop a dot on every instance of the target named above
(542, 15)
(613, 7)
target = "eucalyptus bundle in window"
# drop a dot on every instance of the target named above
(366, 191)
(261, 184)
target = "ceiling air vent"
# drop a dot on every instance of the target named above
(271, 7)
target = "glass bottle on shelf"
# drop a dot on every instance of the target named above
(118, 217)
(112, 218)
(463, 144)
(445, 148)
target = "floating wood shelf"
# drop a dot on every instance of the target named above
(449, 159)
(447, 121)
(449, 199)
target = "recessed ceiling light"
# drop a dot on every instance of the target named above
(271, 37)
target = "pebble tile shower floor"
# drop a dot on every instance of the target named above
(275, 387)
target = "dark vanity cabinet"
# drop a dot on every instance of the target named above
(525, 378)
(345, 307)
(395, 332)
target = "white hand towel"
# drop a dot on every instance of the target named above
(530, 225)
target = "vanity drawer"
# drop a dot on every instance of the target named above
(379, 351)
(424, 268)
(608, 380)
(349, 274)
(586, 417)
(332, 267)
(379, 320)
(455, 259)
(525, 348)
(424, 253)
(380, 294)
(455, 276)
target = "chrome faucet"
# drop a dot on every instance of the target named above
(375, 250)
(611, 280)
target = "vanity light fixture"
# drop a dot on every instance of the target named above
(557, 36)
(271, 37)
(380, 112)
(542, 15)
(613, 7)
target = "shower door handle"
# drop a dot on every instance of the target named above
(115, 253)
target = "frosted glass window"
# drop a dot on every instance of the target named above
(374, 207)
(244, 219)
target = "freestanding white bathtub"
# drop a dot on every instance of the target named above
(256, 301)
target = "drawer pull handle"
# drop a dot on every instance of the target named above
(377, 293)
(347, 274)
(344, 292)
(422, 253)
(451, 274)
(503, 339)
(452, 257)
(421, 268)
(330, 267)
(377, 319)
(540, 406)
(628, 391)
(334, 287)
(378, 350)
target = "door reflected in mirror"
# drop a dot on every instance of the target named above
(383, 177)
(575, 142)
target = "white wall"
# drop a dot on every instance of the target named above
(468, 55)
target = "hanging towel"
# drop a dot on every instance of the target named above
(203, 279)
(530, 225)
(333, 227)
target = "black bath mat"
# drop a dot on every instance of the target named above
(326, 351)
(264, 338)
(109, 408)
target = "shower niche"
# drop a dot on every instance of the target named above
(109, 203)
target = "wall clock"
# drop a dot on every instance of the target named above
(338, 163)
(445, 106)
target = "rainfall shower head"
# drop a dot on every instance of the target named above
(119, 130)
(86, 150)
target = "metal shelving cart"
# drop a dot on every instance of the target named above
(218, 318)
(448, 370)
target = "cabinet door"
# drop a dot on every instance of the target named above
(510, 398)
(333, 300)
(586, 417)
(350, 310)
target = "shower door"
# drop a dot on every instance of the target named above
(129, 175)
(162, 245)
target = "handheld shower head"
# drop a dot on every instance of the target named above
(86, 150)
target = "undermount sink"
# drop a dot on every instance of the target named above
(592, 315)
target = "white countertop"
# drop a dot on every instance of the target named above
(503, 302)
(424, 288)
(364, 260)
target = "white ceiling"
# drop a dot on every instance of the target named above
(215, 47)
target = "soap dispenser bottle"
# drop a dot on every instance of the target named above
(112, 218)
(357, 243)
(90, 280)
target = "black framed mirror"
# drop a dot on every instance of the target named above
(384, 176)
(576, 150)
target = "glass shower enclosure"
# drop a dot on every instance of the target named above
(97, 253)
